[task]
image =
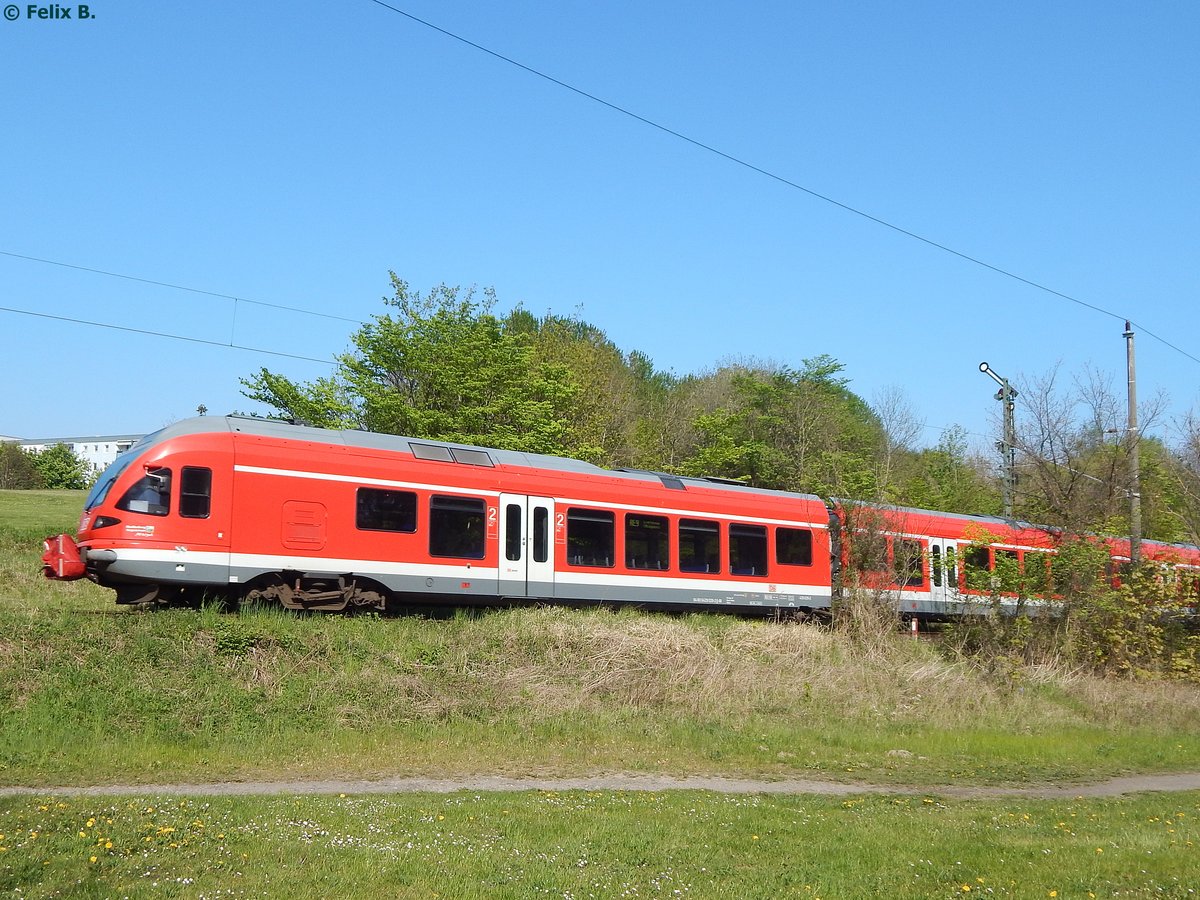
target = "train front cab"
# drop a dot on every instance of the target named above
(155, 528)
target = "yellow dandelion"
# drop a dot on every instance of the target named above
(92, 859)
(1054, 893)
(966, 889)
(1099, 849)
(754, 837)
(108, 845)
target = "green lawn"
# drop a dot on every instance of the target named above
(48, 511)
(598, 844)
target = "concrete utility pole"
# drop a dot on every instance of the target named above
(1007, 447)
(1132, 441)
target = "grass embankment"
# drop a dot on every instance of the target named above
(92, 693)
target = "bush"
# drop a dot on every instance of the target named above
(17, 469)
(61, 469)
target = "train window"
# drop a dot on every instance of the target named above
(1037, 574)
(793, 546)
(512, 530)
(935, 565)
(699, 546)
(647, 542)
(951, 567)
(150, 494)
(868, 552)
(471, 457)
(907, 562)
(456, 527)
(591, 537)
(977, 563)
(379, 510)
(195, 492)
(748, 549)
(541, 534)
(429, 451)
(1007, 571)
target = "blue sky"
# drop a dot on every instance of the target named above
(294, 153)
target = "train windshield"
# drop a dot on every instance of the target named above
(105, 482)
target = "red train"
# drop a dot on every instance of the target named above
(317, 519)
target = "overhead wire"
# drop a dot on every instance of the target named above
(177, 287)
(709, 148)
(164, 334)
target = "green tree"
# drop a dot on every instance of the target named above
(801, 430)
(947, 477)
(61, 469)
(17, 468)
(438, 366)
(616, 394)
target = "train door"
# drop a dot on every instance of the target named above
(526, 548)
(943, 573)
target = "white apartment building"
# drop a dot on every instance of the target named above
(98, 451)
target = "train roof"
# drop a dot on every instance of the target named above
(941, 514)
(369, 440)
(1011, 523)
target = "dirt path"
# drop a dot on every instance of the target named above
(1185, 781)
